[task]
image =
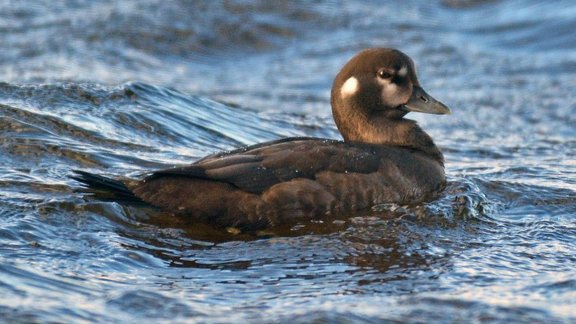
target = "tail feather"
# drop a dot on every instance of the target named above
(105, 188)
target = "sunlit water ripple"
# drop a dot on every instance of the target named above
(122, 88)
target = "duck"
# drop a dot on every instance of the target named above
(383, 158)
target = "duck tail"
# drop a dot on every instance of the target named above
(105, 188)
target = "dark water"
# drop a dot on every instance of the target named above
(126, 87)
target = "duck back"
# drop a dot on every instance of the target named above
(292, 179)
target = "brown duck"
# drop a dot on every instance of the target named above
(384, 158)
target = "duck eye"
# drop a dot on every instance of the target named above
(383, 74)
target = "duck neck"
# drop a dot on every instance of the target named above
(383, 130)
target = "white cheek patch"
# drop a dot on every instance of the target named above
(393, 96)
(390, 90)
(349, 87)
(403, 71)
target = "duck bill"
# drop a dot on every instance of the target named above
(422, 102)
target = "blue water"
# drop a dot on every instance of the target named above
(122, 88)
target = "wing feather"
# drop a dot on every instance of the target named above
(257, 168)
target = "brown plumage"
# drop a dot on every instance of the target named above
(384, 158)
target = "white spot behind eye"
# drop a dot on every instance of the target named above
(403, 70)
(349, 87)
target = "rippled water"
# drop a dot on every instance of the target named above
(121, 88)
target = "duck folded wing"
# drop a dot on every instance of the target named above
(257, 168)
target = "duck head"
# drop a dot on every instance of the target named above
(376, 88)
